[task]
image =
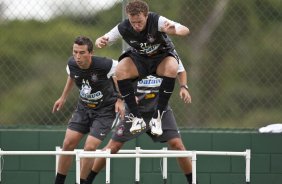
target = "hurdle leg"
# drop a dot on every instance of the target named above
(194, 169)
(165, 167)
(0, 166)
(248, 166)
(137, 166)
(77, 170)
(108, 167)
(58, 148)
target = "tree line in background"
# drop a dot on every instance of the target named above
(233, 58)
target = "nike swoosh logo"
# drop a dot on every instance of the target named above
(76, 76)
(167, 91)
(125, 95)
(102, 134)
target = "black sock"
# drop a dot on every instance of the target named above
(82, 181)
(91, 177)
(60, 178)
(165, 92)
(189, 178)
(127, 91)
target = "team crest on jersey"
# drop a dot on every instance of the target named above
(120, 130)
(94, 77)
(85, 92)
(150, 38)
(85, 88)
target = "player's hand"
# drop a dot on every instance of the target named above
(120, 108)
(168, 27)
(101, 42)
(136, 99)
(185, 95)
(58, 105)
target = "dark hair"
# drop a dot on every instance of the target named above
(83, 40)
(136, 7)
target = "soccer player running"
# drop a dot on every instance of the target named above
(147, 94)
(151, 52)
(96, 107)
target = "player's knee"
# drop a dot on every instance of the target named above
(114, 147)
(169, 69)
(126, 69)
(69, 145)
(177, 145)
(89, 147)
(172, 70)
(120, 74)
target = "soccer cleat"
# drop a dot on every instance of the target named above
(138, 124)
(156, 125)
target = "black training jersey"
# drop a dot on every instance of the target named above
(147, 93)
(96, 88)
(150, 40)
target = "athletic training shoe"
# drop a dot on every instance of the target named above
(138, 124)
(156, 125)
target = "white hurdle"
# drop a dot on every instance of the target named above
(138, 153)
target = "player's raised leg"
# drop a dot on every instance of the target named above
(126, 71)
(168, 70)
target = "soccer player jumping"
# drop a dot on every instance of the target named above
(151, 52)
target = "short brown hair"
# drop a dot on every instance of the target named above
(136, 7)
(83, 40)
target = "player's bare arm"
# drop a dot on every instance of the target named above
(61, 101)
(182, 80)
(184, 93)
(119, 106)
